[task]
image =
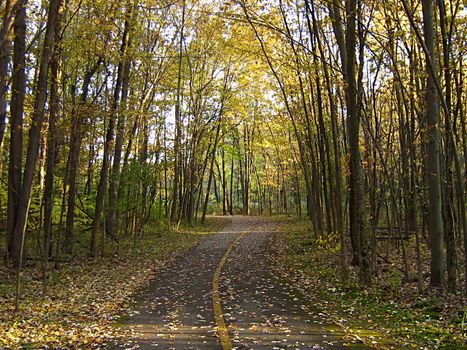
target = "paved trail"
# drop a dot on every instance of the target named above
(222, 296)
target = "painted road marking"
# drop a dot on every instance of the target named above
(222, 330)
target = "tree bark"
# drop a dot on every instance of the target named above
(432, 156)
(54, 115)
(10, 9)
(78, 120)
(16, 127)
(211, 166)
(114, 181)
(450, 154)
(35, 132)
(178, 127)
(356, 184)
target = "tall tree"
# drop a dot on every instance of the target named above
(35, 130)
(10, 9)
(114, 181)
(52, 137)
(178, 127)
(77, 123)
(16, 128)
(432, 149)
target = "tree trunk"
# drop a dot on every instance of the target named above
(78, 118)
(114, 181)
(178, 127)
(19, 230)
(337, 154)
(54, 115)
(16, 127)
(450, 154)
(104, 173)
(356, 185)
(231, 185)
(211, 168)
(35, 131)
(432, 157)
(10, 9)
(225, 194)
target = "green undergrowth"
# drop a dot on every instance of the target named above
(85, 296)
(389, 314)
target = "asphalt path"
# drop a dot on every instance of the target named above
(223, 295)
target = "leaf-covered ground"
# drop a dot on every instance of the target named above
(84, 297)
(390, 314)
(176, 311)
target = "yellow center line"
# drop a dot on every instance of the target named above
(222, 330)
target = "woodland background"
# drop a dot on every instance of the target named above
(120, 116)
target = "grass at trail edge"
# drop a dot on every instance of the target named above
(389, 314)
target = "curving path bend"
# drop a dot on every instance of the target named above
(222, 296)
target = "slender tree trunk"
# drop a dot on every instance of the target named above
(432, 157)
(231, 186)
(211, 167)
(104, 173)
(10, 9)
(337, 153)
(78, 119)
(356, 185)
(114, 181)
(36, 125)
(16, 127)
(34, 136)
(54, 115)
(247, 168)
(225, 194)
(143, 158)
(450, 154)
(461, 185)
(178, 126)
